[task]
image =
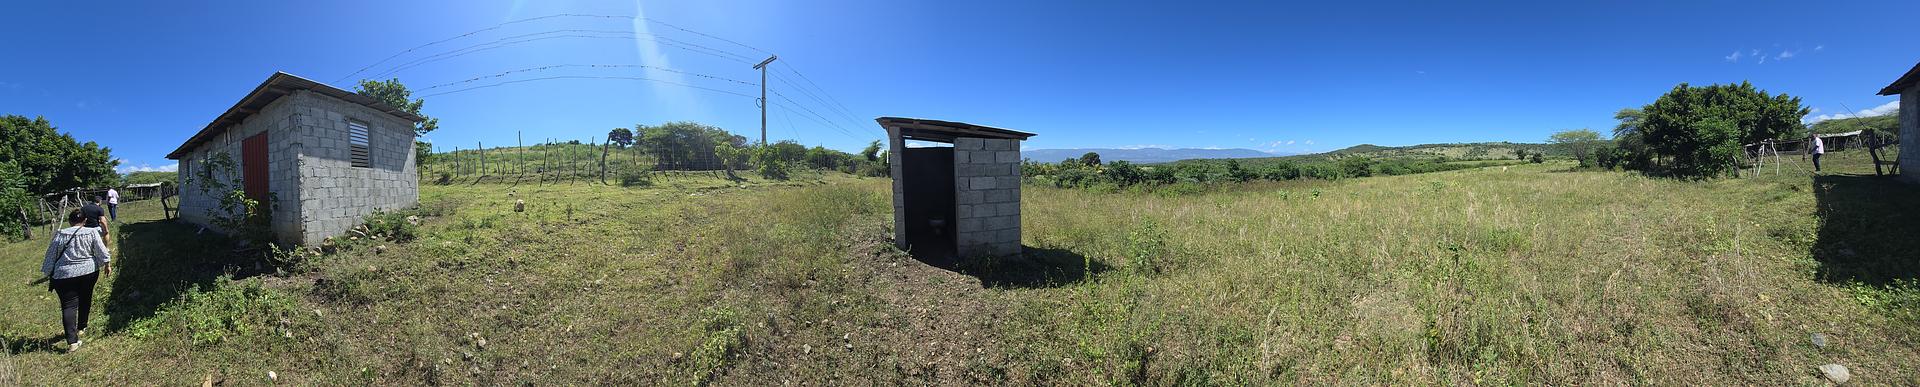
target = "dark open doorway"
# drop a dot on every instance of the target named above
(928, 186)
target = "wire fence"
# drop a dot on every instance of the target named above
(564, 161)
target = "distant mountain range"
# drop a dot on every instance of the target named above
(1145, 155)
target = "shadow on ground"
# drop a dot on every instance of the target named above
(157, 261)
(1040, 268)
(1869, 229)
(23, 345)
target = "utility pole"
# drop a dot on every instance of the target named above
(763, 96)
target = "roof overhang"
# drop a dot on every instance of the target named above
(1901, 84)
(276, 86)
(944, 131)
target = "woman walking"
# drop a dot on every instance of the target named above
(76, 259)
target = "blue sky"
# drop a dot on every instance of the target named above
(141, 77)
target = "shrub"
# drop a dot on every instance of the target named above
(1146, 248)
(636, 179)
(392, 225)
(223, 311)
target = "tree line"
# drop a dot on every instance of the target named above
(1088, 171)
(36, 159)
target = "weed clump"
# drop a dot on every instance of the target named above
(1147, 248)
(223, 311)
(398, 226)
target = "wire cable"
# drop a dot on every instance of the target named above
(470, 33)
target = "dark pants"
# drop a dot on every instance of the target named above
(1816, 162)
(113, 212)
(76, 302)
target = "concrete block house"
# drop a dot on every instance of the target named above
(959, 201)
(1908, 88)
(326, 156)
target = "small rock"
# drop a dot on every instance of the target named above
(380, 249)
(806, 348)
(466, 355)
(317, 313)
(1819, 340)
(677, 355)
(482, 343)
(276, 377)
(1836, 373)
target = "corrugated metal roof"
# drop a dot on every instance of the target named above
(1901, 84)
(944, 131)
(276, 86)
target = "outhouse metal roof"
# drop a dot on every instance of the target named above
(1901, 84)
(945, 131)
(276, 86)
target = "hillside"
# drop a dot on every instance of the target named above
(1523, 275)
(1455, 151)
(1142, 155)
(1889, 123)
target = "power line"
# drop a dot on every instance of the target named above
(816, 98)
(501, 43)
(543, 68)
(651, 20)
(470, 33)
(503, 83)
(823, 91)
(823, 119)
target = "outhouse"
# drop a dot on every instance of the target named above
(956, 194)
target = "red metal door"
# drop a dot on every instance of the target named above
(253, 167)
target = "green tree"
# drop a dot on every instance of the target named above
(14, 201)
(1701, 129)
(820, 157)
(1579, 142)
(50, 161)
(1090, 159)
(394, 94)
(872, 151)
(621, 137)
(1124, 173)
(686, 145)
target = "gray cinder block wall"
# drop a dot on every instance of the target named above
(987, 192)
(200, 198)
(320, 194)
(335, 195)
(1910, 134)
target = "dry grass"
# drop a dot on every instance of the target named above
(1527, 275)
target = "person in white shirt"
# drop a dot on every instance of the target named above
(1819, 148)
(113, 205)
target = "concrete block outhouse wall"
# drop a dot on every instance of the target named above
(1908, 88)
(955, 202)
(326, 157)
(986, 188)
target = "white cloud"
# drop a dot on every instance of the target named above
(144, 167)
(1144, 146)
(1820, 47)
(1884, 109)
(1763, 60)
(1734, 57)
(1421, 72)
(1754, 52)
(1784, 54)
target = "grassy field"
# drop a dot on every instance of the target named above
(1525, 274)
